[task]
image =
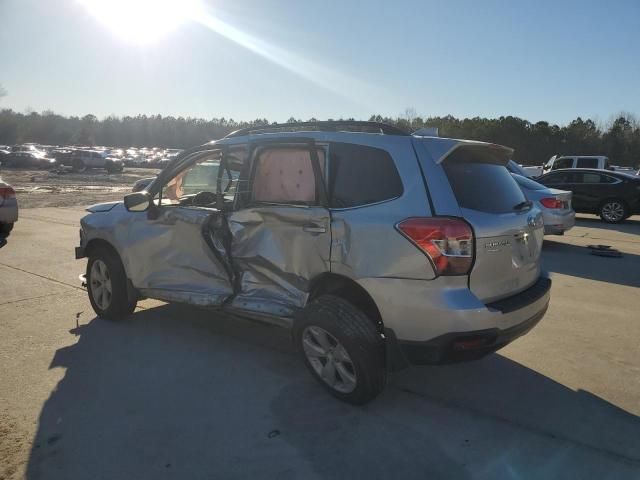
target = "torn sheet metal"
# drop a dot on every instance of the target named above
(169, 258)
(275, 256)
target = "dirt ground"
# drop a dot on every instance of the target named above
(37, 188)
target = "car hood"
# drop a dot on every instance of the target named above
(102, 207)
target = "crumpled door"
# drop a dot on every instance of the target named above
(179, 256)
(276, 252)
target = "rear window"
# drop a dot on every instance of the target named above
(360, 175)
(587, 163)
(486, 187)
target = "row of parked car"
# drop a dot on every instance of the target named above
(597, 187)
(113, 160)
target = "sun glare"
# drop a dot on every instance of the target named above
(141, 21)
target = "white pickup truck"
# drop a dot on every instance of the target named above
(570, 161)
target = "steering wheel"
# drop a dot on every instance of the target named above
(204, 198)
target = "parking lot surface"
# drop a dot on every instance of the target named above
(178, 392)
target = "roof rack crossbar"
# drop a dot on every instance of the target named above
(325, 126)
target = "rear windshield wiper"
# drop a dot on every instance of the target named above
(527, 204)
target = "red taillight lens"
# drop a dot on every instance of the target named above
(551, 203)
(7, 192)
(448, 242)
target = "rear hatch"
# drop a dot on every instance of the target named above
(508, 229)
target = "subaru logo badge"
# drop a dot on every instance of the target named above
(531, 222)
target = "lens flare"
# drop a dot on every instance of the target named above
(141, 21)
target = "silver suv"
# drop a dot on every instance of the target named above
(377, 248)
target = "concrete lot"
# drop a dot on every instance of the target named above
(177, 392)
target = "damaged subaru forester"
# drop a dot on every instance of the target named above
(376, 248)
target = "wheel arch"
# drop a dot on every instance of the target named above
(349, 290)
(98, 243)
(612, 198)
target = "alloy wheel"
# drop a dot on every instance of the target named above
(329, 359)
(613, 211)
(100, 280)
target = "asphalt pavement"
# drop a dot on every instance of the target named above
(178, 392)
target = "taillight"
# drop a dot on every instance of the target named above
(552, 203)
(7, 192)
(448, 242)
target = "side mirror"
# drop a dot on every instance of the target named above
(137, 202)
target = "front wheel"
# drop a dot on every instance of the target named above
(78, 166)
(613, 211)
(342, 349)
(107, 285)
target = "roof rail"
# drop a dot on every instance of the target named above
(327, 126)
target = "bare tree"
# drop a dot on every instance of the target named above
(409, 115)
(3, 91)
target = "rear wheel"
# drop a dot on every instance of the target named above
(107, 285)
(613, 211)
(342, 349)
(78, 165)
(111, 168)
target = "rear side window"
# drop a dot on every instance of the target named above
(587, 163)
(486, 187)
(361, 175)
(593, 178)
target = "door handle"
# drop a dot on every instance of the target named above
(314, 228)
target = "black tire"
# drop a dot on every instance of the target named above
(614, 210)
(5, 229)
(78, 165)
(119, 305)
(359, 337)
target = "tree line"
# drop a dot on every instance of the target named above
(534, 143)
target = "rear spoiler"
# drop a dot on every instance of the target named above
(467, 150)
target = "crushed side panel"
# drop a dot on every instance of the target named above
(275, 258)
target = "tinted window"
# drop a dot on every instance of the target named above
(593, 178)
(360, 175)
(587, 163)
(486, 187)
(562, 163)
(527, 183)
(556, 178)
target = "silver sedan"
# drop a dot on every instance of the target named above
(8, 208)
(557, 214)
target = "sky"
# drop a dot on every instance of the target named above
(248, 59)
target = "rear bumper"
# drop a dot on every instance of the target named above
(527, 308)
(556, 223)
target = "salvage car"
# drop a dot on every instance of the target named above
(377, 248)
(24, 158)
(81, 160)
(557, 214)
(8, 208)
(614, 196)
